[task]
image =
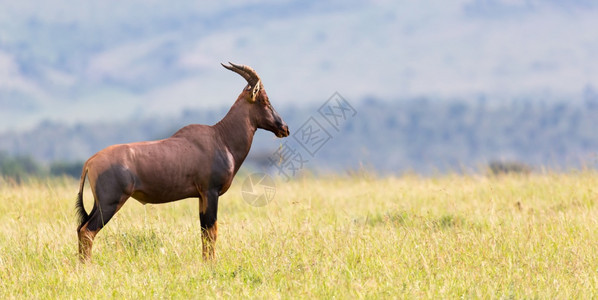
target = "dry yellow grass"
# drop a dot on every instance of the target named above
(452, 236)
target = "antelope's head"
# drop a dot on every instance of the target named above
(261, 111)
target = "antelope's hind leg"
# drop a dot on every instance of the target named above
(111, 188)
(105, 206)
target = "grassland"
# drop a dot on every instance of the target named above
(406, 237)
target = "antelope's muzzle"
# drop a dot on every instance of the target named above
(283, 131)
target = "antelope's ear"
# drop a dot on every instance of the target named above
(254, 91)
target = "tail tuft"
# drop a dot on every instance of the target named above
(81, 213)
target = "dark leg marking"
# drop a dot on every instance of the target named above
(209, 225)
(109, 198)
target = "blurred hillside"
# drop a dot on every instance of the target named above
(113, 60)
(436, 85)
(421, 135)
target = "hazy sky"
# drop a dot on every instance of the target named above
(112, 60)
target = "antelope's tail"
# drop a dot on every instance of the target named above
(81, 213)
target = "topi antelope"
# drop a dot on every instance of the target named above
(197, 161)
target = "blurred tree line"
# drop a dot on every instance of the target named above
(22, 166)
(419, 135)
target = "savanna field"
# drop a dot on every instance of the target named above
(363, 236)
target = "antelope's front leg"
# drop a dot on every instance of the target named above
(209, 225)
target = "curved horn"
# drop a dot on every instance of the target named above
(246, 72)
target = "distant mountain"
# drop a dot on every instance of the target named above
(112, 61)
(422, 135)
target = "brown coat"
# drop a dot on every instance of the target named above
(197, 161)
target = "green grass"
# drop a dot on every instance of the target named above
(408, 237)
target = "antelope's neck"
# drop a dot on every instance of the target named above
(236, 130)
